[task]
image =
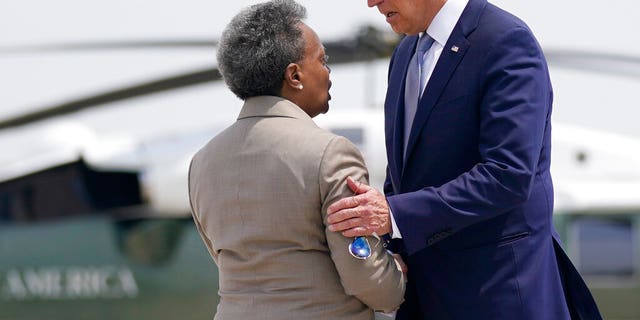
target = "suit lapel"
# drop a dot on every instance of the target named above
(395, 108)
(445, 68)
(443, 71)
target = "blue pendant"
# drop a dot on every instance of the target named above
(359, 248)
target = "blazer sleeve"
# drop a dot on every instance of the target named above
(514, 111)
(196, 220)
(376, 281)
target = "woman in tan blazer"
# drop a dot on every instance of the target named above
(260, 189)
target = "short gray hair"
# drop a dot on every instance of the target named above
(258, 45)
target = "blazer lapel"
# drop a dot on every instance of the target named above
(445, 68)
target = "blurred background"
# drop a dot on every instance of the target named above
(102, 105)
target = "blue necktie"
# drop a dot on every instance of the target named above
(414, 83)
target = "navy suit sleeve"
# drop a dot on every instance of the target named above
(387, 187)
(515, 104)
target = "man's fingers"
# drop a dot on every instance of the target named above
(356, 232)
(343, 215)
(401, 264)
(344, 203)
(356, 186)
(345, 225)
(350, 202)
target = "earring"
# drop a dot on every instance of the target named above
(300, 87)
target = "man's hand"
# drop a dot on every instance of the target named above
(364, 214)
(400, 262)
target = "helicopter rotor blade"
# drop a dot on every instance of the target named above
(613, 64)
(109, 45)
(164, 84)
(368, 44)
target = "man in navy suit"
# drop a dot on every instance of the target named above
(468, 196)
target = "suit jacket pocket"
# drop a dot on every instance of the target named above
(511, 238)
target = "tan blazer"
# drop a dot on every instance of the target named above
(259, 193)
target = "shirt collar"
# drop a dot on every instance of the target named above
(445, 20)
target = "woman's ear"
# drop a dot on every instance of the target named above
(292, 77)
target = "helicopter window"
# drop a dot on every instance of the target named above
(354, 134)
(151, 241)
(603, 246)
(66, 190)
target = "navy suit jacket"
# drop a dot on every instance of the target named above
(473, 200)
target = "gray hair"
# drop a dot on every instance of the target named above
(258, 45)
